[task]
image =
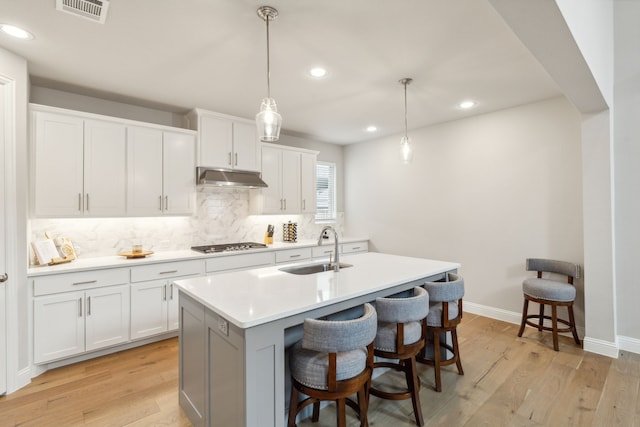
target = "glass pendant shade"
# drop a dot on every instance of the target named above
(406, 151)
(268, 121)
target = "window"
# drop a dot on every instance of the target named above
(325, 191)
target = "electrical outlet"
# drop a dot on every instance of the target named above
(223, 326)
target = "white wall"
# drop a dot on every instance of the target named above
(627, 173)
(488, 192)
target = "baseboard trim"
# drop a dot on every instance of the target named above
(605, 348)
(492, 312)
(629, 344)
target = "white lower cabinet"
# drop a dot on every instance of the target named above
(154, 308)
(70, 323)
(154, 297)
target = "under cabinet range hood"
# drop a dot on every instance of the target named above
(229, 178)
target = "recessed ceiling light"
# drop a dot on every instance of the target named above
(371, 128)
(16, 32)
(465, 105)
(318, 72)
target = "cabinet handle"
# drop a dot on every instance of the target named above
(168, 272)
(304, 204)
(88, 306)
(80, 305)
(236, 162)
(87, 202)
(164, 293)
(171, 294)
(4, 278)
(229, 158)
(79, 201)
(294, 256)
(285, 204)
(85, 283)
(280, 204)
(355, 248)
(166, 203)
(160, 201)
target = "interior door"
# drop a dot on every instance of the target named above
(3, 251)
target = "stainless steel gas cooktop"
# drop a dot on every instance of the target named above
(228, 247)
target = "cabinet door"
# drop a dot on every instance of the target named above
(58, 326)
(105, 160)
(106, 317)
(216, 142)
(245, 147)
(179, 173)
(308, 182)
(173, 306)
(291, 181)
(272, 202)
(148, 308)
(144, 165)
(58, 158)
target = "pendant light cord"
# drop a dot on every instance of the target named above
(268, 68)
(405, 109)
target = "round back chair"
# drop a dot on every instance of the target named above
(333, 360)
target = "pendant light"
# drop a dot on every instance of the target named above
(406, 151)
(268, 120)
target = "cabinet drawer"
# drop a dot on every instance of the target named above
(166, 270)
(291, 255)
(323, 251)
(238, 262)
(355, 247)
(78, 281)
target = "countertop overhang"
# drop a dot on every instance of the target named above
(253, 297)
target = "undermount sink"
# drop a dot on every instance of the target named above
(313, 268)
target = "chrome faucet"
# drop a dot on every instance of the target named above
(336, 268)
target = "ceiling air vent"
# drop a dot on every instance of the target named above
(93, 10)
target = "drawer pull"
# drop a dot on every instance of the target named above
(355, 248)
(294, 256)
(168, 272)
(85, 283)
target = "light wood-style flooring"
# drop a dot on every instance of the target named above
(508, 381)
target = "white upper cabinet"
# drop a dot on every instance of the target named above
(58, 142)
(85, 166)
(290, 181)
(178, 173)
(161, 172)
(105, 171)
(308, 182)
(79, 166)
(225, 142)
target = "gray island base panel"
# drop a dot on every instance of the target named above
(235, 329)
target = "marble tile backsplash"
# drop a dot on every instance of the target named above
(222, 216)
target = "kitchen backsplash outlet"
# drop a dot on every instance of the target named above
(222, 216)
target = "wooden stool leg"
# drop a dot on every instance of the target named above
(436, 360)
(341, 413)
(414, 388)
(541, 317)
(572, 320)
(554, 325)
(363, 405)
(316, 411)
(293, 407)
(525, 310)
(456, 350)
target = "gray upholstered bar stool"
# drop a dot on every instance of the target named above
(445, 314)
(333, 360)
(546, 291)
(401, 333)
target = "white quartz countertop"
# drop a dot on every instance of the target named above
(253, 297)
(115, 261)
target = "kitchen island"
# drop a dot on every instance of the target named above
(235, 328)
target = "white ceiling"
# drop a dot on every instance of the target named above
(179, 54)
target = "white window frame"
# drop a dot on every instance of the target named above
(326, 209)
